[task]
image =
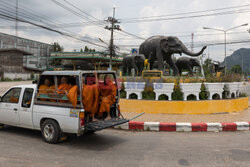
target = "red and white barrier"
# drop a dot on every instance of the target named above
(185, 127)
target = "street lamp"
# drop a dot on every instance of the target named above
(225, 38)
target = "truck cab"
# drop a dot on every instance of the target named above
(51, 111)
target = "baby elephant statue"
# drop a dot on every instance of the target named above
(136, 62)
(186, 63)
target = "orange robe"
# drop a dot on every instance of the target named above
(52, 88)
(62, 88)
(90, 98)
(44, 89)
(72, 96)
(13, 99)
(107, 96)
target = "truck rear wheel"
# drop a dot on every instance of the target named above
(51, 131)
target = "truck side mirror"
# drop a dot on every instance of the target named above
(34, 82)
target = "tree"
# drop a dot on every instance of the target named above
(207, 67)
(81, 50)
(55, 62)
(56, 47)
(86, 49)
(236, 69)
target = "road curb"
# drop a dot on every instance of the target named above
(185, 127)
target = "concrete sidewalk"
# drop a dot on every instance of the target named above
(243, 116)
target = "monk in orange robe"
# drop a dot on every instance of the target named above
(90, 95)
(107, 96)
(63, 88)
(45, 88)
(13, 99)
(72, 95)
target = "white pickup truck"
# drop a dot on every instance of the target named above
(52, 113)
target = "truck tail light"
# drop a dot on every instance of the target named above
(82, 122)
(81, 116)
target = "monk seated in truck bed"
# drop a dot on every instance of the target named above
(107, 93)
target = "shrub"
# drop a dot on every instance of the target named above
(243, 94)
(148, 93)
(32, 76)
(203, 95)
(122, 91)
(225, 78)
(17, 79)
(177, 94)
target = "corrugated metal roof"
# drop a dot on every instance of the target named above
(73, 72)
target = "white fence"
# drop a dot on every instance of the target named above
(233, 89)
(23, 76)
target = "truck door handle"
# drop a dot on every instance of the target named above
(15, 109)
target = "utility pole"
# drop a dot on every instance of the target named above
(113, 27)
(192, 42)
(225, 39)
(16, 25)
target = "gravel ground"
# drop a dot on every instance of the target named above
(232, 117)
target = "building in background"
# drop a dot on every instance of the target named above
(12, 64)
(39, 53)
(86, 60)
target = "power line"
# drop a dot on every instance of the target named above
(7, 10)
(50, 29)
(192, 12)
(39, 15)
(202, 43)
(76, 13)
(184, 17)
(81, 10)
(133, 35)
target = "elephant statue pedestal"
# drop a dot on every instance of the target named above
(134, 88)
(190, 89)
(214, 88)
(163, 89)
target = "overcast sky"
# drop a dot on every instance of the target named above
(101, 9)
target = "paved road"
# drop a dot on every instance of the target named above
(24, 148)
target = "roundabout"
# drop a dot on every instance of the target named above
(184, 107)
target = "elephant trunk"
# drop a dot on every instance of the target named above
(186, 51)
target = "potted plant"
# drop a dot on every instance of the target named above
(190, 86)
(136, 87)
(163, 87)
(214, 85)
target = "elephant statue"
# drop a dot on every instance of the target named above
(186, 63)
(161, 48)
(218, 67)
(136, 62)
